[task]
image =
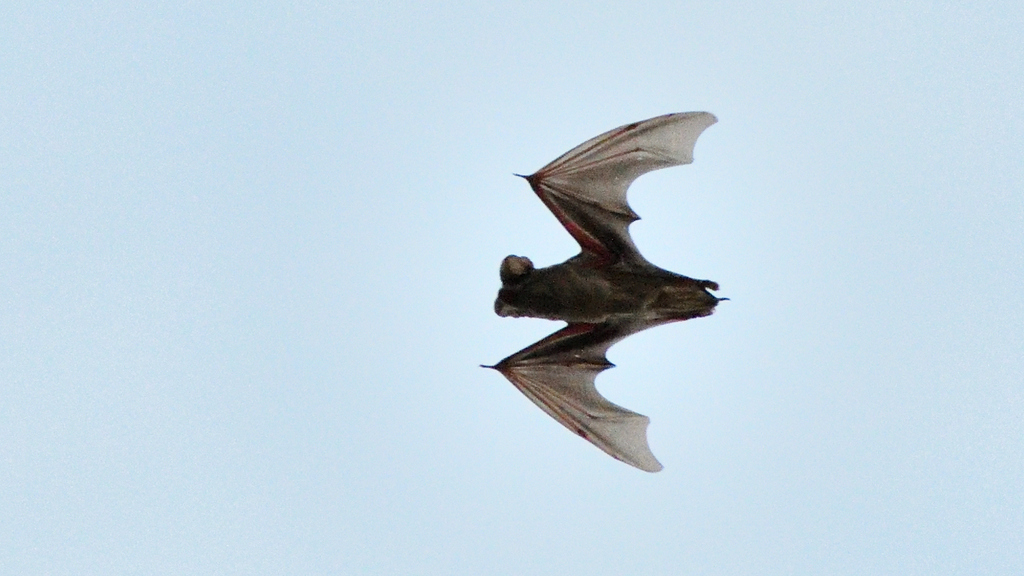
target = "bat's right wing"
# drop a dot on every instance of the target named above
(585, 188)
(558, 374)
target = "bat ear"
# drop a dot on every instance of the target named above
(514, 268)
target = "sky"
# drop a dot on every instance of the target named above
(249, 253)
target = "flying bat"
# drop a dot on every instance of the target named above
(606, 292)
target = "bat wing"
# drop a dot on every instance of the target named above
(557, 374)
(586, 187)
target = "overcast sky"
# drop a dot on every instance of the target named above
(249, 252)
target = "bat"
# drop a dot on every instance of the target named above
(606, 292)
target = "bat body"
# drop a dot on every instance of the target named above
(606, 292)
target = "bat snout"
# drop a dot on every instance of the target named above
(504, 309)
(501, 308)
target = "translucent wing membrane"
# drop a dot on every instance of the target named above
(586, 187)
(558, 375)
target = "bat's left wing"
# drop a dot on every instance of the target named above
(585, 188)
(557, 373)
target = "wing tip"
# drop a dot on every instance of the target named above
(646, 462)
(699, 120)
(699, 114)
(657, 467)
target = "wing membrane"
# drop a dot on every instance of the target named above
(558, 372)
(586, 187)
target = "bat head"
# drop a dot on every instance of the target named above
(514, 272)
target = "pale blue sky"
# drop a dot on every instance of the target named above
(248, 255)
